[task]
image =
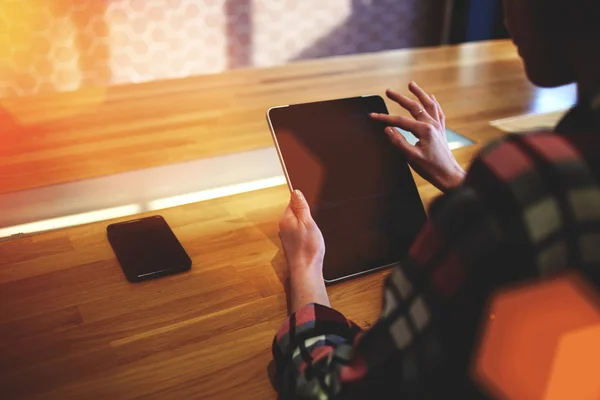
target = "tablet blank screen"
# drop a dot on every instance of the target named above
(360, 189)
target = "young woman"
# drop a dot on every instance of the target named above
(528, 206)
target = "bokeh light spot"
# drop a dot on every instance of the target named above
(26, 81)
(44, 67)
(520, 345)
(65, 54)
(576, 369)
(22, 59)
(38, 21)
(40, 46)
(19, 36)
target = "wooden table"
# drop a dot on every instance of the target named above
(71, 326)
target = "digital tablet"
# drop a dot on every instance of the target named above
(359, 187)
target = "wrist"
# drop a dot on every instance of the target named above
(307, 286)
(455, 178)
(301, 270)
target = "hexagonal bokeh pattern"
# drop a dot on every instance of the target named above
(542, 341)
(60, 45)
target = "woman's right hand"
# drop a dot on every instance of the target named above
(430, 157)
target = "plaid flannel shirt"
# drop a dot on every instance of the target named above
(529, 207)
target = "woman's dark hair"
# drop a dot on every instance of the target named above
(568, 17)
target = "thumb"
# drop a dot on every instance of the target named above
(398, 140)
(299, 206)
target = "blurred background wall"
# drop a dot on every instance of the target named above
(62, 45)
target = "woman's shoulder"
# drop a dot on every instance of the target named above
(519, 159)
(536, 194)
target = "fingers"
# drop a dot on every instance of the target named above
(296, 212)
(299, 206)
(440, 111)
(288, 214)
(417, 128)
(429, 105)
(426, 103)
(414, 108)
(410, 152)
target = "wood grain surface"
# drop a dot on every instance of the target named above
(71, 326)
(59, 138)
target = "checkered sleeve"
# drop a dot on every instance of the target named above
(528, 208)
(308, 348)
(321, 355)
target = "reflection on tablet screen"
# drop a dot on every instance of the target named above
(360, 189)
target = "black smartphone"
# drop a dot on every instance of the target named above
(147, 248)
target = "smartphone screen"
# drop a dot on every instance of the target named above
(358, 185)
(147, 248)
